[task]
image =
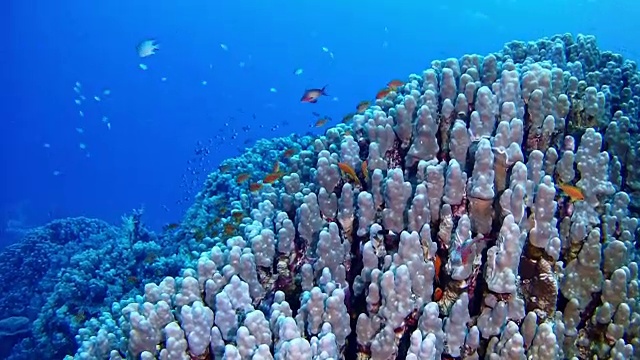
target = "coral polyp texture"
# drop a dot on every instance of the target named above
(493, 217)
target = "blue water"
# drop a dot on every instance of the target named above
(155, 125)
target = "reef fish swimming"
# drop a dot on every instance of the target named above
(382, 93)
(574, 192)
(312, 95)
(393, 85)
(147, 48)
(349, 172)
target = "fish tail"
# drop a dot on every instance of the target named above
(323, 90)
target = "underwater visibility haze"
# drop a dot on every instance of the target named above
(320, 180)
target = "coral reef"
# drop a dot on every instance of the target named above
(70, 270)
(491, 215)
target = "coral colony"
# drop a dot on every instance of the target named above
(493, 219)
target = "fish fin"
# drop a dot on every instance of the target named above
(313, 101)
(323, 92)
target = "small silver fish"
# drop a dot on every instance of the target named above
(147, 48)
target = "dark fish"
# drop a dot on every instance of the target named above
(170, 227)
(348, 117)
(386, 232)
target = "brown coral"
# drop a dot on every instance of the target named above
(578, 119)
(539, 286)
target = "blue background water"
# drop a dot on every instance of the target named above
(156, 124)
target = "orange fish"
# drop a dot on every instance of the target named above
(273, 177)
(362, 106)
(365, 170)
(383, 93)
(229, 229)
(276, 167)
(290, 152)
(437, 294)
(348, 170)
(347, 133)
(253, 187)
(348, 117)
(437, 263)
(321, 122)
(574, 192)
(242, 178)
(395, 84)
(224, 168)
(312, 95)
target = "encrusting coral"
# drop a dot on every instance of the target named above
(465, 166)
